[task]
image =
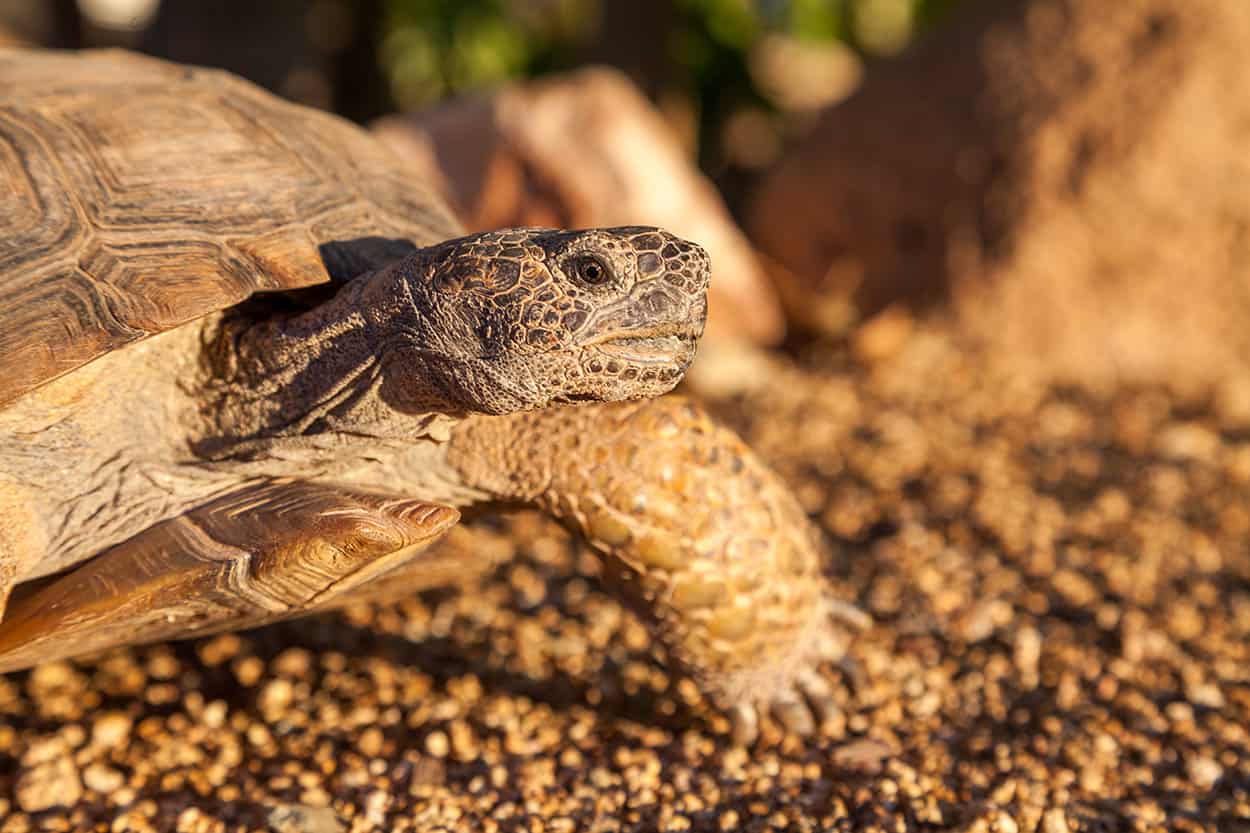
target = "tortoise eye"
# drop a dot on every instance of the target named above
(591, 271)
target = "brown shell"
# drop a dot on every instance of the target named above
(136, 195)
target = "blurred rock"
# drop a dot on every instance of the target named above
(298, 818)
(1069, 175)
(48, 777)
(727, 368)
(585, 149)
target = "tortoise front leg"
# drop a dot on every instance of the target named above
(265, 552)
(699, 532)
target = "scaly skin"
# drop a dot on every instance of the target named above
(701, 536)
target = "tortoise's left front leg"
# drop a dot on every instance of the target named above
(700, 533)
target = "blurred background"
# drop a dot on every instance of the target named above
(733, 77)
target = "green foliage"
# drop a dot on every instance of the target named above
(435, 48)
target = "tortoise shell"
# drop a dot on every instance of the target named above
(137, 195)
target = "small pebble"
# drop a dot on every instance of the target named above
(300, 818)
(1204, 772)
(110, 730)
(103, 779)
(48, 777)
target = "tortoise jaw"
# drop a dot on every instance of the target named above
(660, 348)
(661, 343)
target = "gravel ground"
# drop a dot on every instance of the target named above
(1061, 587)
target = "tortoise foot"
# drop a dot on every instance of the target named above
(790, 689)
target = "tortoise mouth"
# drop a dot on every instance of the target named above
(667, 345)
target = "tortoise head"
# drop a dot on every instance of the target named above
(523, 318)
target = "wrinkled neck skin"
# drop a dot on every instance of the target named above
(362, 368)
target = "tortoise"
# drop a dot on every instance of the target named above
(253, 368)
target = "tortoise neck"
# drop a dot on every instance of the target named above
(347, 371)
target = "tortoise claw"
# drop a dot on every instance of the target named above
(854, 673)
(744, 724)
(819, 696)
(846, 613)
(791, 712)
(806, 704)
(803, 711)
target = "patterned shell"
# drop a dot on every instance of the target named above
(136, 195)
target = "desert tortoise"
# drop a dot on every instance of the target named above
(251, 367)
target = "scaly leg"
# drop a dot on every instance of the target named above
(699, 532)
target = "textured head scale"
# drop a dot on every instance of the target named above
(523, 318)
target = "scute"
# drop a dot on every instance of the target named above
(138, 195)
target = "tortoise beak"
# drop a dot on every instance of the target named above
(665, 344)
